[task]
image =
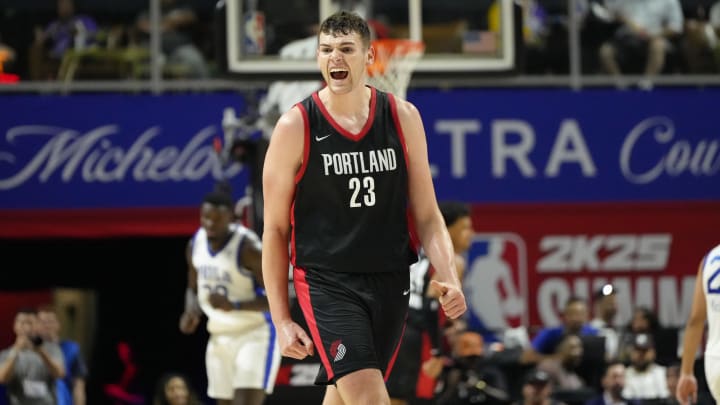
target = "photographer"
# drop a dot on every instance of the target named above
(469, 378)
(30, 367)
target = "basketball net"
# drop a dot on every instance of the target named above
(395, 60)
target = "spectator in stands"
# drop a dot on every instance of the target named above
(179, 51)
(644, 320)
(606, 308)
(562, 365)
(68, 31)
(537, 389)
(702, 39)
(175, 389)
(574, 321)
(648, 27)
(7, 56)
(672, 376)
(71, 388)
(30, 367)
(644, 378)
(469, 376)
(613, 384)
(535, 30)
(714, 20)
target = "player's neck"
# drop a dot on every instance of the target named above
(216, 244)
(353, 103)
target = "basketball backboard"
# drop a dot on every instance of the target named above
(460, 37)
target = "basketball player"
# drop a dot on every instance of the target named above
(706, 306)
(345, 176)
(224, 283)
(423, 320)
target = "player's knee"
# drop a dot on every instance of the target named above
(361, 390)
(378, 398)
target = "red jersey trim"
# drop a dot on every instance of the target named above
(293, 250)
(306, 143)
(414, 239)
(395, 353)
(398, 128)
(343, 131)
(299, 176)
(303, 295)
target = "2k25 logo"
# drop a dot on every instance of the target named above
(495, 281)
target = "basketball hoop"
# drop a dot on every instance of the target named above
(395, 60)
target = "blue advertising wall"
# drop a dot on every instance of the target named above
(119, 151)
(113, 151)
(565, 146)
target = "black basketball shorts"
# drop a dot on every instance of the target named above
(402, 381)
(356, 320)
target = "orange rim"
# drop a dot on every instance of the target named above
(391, 48)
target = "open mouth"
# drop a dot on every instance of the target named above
(338, 74)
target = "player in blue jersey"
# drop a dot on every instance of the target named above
(706, 307)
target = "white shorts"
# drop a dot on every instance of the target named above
(712, 375)
(248, 360)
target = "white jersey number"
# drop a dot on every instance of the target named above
(368, 184)
(713, 283)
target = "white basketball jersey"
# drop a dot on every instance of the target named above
(221, 272)
(418, 279)
(711, 286)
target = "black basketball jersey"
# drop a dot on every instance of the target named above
(350, 212)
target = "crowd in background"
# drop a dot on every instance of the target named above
(647, 37)
(587, 360)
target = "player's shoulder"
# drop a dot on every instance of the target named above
(241, 229)
(199, 233)
(291, 121)
(244, 232)
(405, 109)
(409, 118)
(712, 255)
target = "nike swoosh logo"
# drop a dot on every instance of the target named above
(320, 138)
(406, 292)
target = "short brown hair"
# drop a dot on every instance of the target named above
(345, 23)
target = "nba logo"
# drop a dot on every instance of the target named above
(254, 39)
(495, 282)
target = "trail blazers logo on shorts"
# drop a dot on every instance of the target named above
(495, 281)
(337, 350)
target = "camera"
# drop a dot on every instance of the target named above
(36, 340)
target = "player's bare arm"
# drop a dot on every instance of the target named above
(687, 384)
(282, 162)
(429, 223)
(190, 318)
(251, 259)
(459, 269)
